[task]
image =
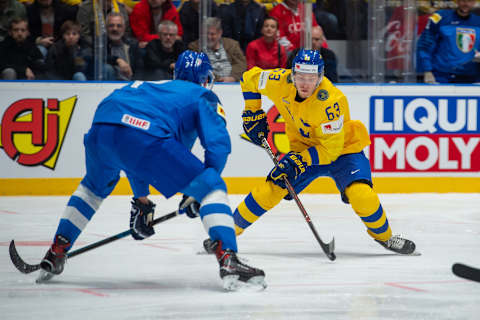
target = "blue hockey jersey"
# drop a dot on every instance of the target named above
(448, 44)
(175, 109)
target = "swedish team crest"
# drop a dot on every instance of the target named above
(322, 95)
(465, 39)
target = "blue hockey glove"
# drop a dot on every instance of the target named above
(141, 218)
(189, 206)
(290, 167)
(255, 125)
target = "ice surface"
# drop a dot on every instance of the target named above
(164, 277)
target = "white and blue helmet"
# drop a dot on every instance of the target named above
(308, 61)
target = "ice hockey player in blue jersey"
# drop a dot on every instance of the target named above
(147, 130)
(448, 49)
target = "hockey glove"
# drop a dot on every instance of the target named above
(141, 217)
(190, 207)
(290, 167)
(255, 125)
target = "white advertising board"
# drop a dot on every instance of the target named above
(416, 130)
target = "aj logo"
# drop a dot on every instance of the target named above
(32, 133)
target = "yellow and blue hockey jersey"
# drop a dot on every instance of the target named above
(319, 127)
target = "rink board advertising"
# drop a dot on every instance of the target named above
(422, 136)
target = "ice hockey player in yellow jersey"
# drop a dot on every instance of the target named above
(324, 141)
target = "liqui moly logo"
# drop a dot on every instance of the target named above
(33, 130)
(424, 134)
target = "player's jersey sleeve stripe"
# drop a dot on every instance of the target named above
(314, 155)
(251, 95)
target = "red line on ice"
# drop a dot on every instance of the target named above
(8, 212)
(89, 291)
(397, 285)
(158, 246)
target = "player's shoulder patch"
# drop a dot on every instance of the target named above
(262, 80)
(333, 127)
(435, 18)
(322, 95)
(221, 112)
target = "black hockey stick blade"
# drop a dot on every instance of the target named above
(26, 268)
(463, 271)
(18, 262)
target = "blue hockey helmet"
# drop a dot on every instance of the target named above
(308, 61)
(195, 67)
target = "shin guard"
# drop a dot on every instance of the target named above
(263, 198)
(366, 204)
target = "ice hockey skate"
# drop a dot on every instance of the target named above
(54, 260)
(237, 275)
(399, 245)
(210, 246)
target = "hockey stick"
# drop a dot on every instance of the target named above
(26, 268)
(328, 248)
(466, 272)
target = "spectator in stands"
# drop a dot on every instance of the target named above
(266, 52)
(86, 17)
(69, 56)
(45, 17)
(242, 21)
(146, 16)
(448, 49)
(326, 19)
(124, 59)
(268, 4)
(189, 18)
(288, 16)
(9, 9)
(162, 53)
(225, 55)
(19, 56)
(329, 57)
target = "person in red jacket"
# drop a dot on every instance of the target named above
(265, 52)
(146, 16)
(287, 14)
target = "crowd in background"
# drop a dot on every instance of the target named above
(54, 39)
